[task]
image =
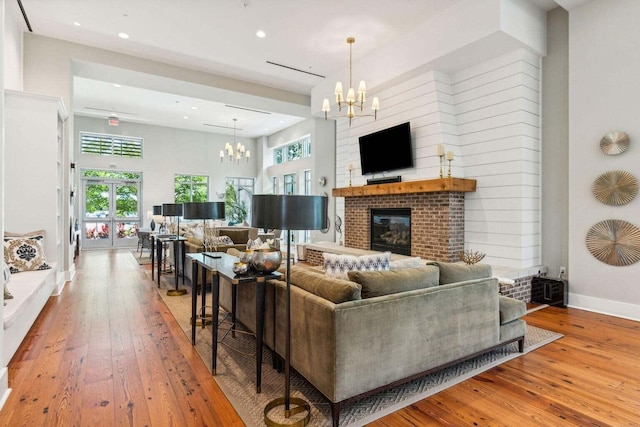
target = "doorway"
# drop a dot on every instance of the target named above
(111, 209)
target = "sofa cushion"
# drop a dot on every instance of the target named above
(25, 254)
(339, 265)
(332, 289)
(510, 309)
(238, 236)
(451, 272)
(379, 283)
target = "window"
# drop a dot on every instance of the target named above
(110, 145)
(237, 199)
(293, 151)
(306, 234)
(191, 188)
(274, 183)
(307, 182)
(290, 183)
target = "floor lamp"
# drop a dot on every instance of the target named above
(288, 212)
(203, 211)
(157, 214)
(175, 210)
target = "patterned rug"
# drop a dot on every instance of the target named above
(236, 374)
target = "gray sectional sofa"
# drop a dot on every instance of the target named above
(351, 338)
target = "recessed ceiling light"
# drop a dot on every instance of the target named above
(123, 35)
(194, 108)
(186, 117)
(116, 85)
(261, 34)
(76, 23)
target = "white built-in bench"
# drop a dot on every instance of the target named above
(30, 290)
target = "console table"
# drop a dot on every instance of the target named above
(221, 264)
(157, 246)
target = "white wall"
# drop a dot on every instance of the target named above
(167, 152)
(13, 27)
(321, 163)
(555, 144)
(604, 94)
(489, 116)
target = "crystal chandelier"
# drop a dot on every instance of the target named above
(353, 103)
(229, 148)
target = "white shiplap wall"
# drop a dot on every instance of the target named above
(489, 116)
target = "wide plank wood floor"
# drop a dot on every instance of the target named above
(108, 352)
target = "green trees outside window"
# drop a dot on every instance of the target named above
(191, 188)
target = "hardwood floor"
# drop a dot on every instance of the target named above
(108, 352)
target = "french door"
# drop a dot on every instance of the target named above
(111, 212)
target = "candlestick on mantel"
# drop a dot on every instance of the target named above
(450, 159)
(350, 168)
(441, 156)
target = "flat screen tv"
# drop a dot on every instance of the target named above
(386, 150)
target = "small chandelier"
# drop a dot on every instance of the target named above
(352, 102)
(239, 152)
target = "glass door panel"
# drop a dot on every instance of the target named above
(127, 216)
(111, 215)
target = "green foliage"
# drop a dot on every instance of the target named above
(235, 211)
(191, 188)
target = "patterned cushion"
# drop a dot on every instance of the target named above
(340, 265)
(25, 254)
(374, 262)
(254, 244)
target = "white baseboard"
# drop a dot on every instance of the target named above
(605, 306)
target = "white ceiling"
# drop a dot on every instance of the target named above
(219, 36)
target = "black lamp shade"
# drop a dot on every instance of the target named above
(172, 209)
(289, 212)
(204, 210)
(157, 210)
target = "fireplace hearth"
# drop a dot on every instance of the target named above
(391, 230)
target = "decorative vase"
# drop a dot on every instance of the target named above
(152, 225)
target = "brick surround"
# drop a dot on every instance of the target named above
(437, 222)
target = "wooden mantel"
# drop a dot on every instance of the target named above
(461, 185)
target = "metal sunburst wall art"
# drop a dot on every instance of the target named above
(614, 242)
(615, 142)
(615, 188)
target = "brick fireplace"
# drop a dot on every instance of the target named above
(437, 214)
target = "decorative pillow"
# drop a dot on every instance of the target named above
(221, 241)
(456, 272)
(339, 265)
(10, 234)
(22, 254)
(332, 289)
(412, 262)
(254, 244)
(374, 262)
(378, 283)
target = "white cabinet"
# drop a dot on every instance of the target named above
(34, 196)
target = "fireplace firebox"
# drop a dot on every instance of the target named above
(391, 230)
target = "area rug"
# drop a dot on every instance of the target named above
(143, 258)
(236, 374)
